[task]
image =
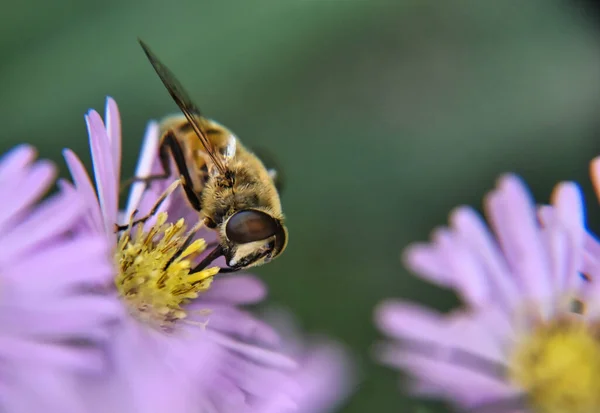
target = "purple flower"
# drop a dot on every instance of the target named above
(527, 336)
(52, 323)
(184, 344)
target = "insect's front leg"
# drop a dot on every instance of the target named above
(165, 163)
(154, 209)
(170, 147)
(169, 143)
(170, 140)
(213, 255)
(228, 270)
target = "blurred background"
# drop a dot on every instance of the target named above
(383, 114)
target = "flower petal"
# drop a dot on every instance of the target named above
(104, 171)
(513, 215)
(16, 160)
(19, 194)
(86, 189)
(148, 156)
(51, 218)
(473, 231)
(236, 289)
(113, 129)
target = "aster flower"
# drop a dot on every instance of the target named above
(51, 322)
(184, 344)
(527, 337)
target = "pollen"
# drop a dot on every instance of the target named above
(154, 267)
(558, 364)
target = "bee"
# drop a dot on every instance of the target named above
(230, 188)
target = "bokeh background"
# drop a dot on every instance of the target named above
(383, 114)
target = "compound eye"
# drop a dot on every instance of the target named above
(251, 225)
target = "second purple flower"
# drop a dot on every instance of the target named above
(527, 338)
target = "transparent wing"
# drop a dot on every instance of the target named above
(189, 109)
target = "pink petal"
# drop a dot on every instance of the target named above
(106, 181)
(148, 156)
(472, 230)
(402, 320)
(65, 267)
(243, 325)
(326, 377)
(410, 322)
(56, 354)
(467, 276)
(255, 353)
(68, 313)
(425, 260)
(236, 289)
(570, 211)
(468, 387)
(512, 213)
(591, 257)
(229, 396)
(85, 187)
(51, 387)
(15, 160)
(66, 327)
(254, 379)
(113, 129)
(48, 220)
(21, 193)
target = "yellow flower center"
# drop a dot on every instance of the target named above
(154, 271)
(558, 365)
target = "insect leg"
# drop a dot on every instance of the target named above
(165, 163)
(170, 144)
(170, 139)
(213, 255)
(228, 270)
(154, 209)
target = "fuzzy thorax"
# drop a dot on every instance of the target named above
(558, 364)
(154, 276)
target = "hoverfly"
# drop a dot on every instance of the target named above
(233, 192)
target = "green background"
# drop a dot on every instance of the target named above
(384, 116)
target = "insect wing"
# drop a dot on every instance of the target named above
(189, 109)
